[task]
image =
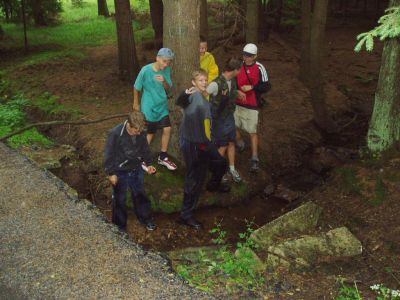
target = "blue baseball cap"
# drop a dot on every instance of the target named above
(166, 52)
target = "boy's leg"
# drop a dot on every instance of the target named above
(166, 135)
(217, 166)
(119, 213)
(222, 150)
(140, 201)
(163, 158)
(254, 145)
(149, 137)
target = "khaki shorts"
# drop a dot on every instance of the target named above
(246, 119)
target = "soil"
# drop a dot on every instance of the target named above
(288, 142)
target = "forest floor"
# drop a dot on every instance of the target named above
(289, 140)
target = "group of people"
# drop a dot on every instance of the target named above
(215, 108)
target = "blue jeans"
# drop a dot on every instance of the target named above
(134, 181)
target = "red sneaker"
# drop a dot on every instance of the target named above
(167, 163)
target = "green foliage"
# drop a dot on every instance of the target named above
(349, 292)
(224, 266)
(50, 105)
(385, 293)
(389, 28)
(349, 181)
(379, 193)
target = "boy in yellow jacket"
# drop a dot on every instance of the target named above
(207, 61)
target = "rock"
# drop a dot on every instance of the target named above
(324, 159)
(269, 190)
(258, 265)
(299, 220)
(285, 193)
(305, 252)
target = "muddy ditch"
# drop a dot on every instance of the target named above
(262, 200)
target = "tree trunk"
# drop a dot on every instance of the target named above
(384, 127)
(181, 34)
(263, 29)
(252, 16)
(38, 13)
(102, 8)
(1, 33)
(305, 40)
(278, 16)
(156, 12)
(315, 80)
(127, 58)
(203, 19)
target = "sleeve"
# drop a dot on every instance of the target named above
(145, 150)
(139, 80)
(213, 69)
(264, 85)
(222, 104)
(212, 89)
(167, 76)
(110, 153)
(183, 100)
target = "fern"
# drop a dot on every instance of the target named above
(389, 28)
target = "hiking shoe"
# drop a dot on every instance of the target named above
(167, 163)
(150, 226)
(254, 168)
(235, 175)
(191, 222)
(226, 177)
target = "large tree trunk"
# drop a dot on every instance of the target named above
(127, 58)
(38, 13)
(203, 19)
(181, 34)
(252, 15)
(384, 127)
(313, 79)
(156, 12)
(102, 8)
(305, 39)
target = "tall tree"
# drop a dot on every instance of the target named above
(127, 58)
(312, 59)
(181, 34)
(203, 19)
(102, 8)
(156, 12)
(252, 15)
(384, 127)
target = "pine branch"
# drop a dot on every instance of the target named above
(51, 123)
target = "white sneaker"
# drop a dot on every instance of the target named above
(235, 175)
(167, 163)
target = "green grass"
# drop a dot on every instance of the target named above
(78, 28)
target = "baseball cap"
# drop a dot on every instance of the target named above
(250, 49)
(166, 52)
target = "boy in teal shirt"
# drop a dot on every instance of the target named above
(150, 96)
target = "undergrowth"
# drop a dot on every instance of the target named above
(226, 267)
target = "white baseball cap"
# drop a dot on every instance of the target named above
(250, 49)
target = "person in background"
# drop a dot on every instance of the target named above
(223, 93)
(253, 81)
(127, 156)
(207, 61)
(153, 82)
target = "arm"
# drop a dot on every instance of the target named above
(136, 99)
(213, 69)
(110, 154)
(263, 85)
(183, 99)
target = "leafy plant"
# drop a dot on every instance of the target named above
(385, 293)
(349, 180)
(389, 28)
(380, 193)
(349, 292)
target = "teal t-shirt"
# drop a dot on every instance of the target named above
(154, 101)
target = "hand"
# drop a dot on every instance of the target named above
(191, 90)
(246, 88)
(113, 179)
(159, 78)
(224, 92)
(241, 95)
(151, 170)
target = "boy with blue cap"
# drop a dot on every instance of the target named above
(150, 97)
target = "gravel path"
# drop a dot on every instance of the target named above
(52, 245)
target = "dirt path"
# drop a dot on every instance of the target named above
(53, 246)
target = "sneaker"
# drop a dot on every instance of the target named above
(254, 168)
(192, 222)
(167, 163)
(235, 175)
(226, 177)
(150, 226)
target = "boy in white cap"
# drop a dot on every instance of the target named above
(253, 81)
(150, 96)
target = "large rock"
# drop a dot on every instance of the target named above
(49, 158)
(307, 251)
(299, 220)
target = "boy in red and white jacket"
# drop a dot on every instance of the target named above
(253, 81)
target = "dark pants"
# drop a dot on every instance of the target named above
(133, 180)
(197, 163)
